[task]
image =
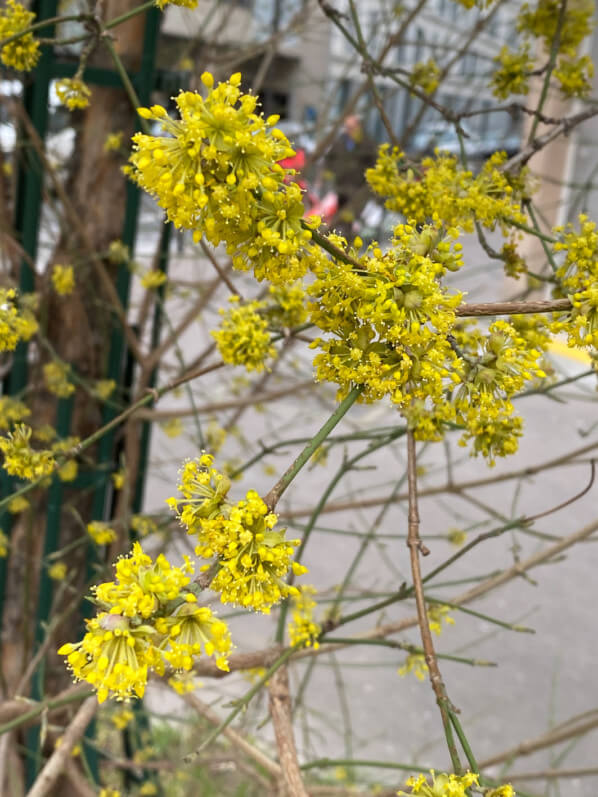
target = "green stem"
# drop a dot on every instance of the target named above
(126, 81)
(463, 739)
(132, 13)
(554, 51)
(545, 247)
(276, 492)
(521, 226)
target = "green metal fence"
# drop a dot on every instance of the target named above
(28, 213)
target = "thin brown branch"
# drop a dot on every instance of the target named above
(238, 741)
(554, 736)
(55, 765)
(416, 547)
(522, 473)
(280, 710)
(258, 398)
(514, 308)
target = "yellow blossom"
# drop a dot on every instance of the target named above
(68, 471)
(302, 628)
(18, 504)
(113, 142)
(20, 459)
(415, 663)
(104, 388)
(442, 785)
(101, 533)
(22, 53)
(243, 337)
(15, 324)
(173, 427)
(143, 525)
(56, 377)
(120, 719)
(58, 571)
(436, 614)
(3, 545)
(73, 93)
(216, 172)
(153, 279)
(63, 279)
(12, 411)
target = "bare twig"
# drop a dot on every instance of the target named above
(280, 711)
(416, 547)
(55, 765)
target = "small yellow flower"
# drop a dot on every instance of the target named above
(58, 571)
(113, 142)
(56, 377)
(173, 427)
(416, 663)
(68, 472)
(104, 388)
(23, 53)
(118, 479)
(101, 533)
(442, 785)
(120, 719)
(73, 93)
(63, 279)
(3, 545)
(18, 504)
(153, 279)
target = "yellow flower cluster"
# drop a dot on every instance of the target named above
(425, 75)
(184, 3)
(63, 279)
(20, 459)
(12, 411)
(436, 614)
(243, 337)
(3, 545)
(148, 620)
(104, 388)
(153, 279)
(389, 319)
(73, 93)
(252, 556)
(302, 628)
(143, 525)
(101, 533)
(415, 663)
(495, 366)
(56, 377)
(58, 571)
(14, 325)
(441, 188)
(572, 73)
(578, 279)
(575, 76)
(113, 142)
(216, 173)
(22, 53)
(286, 308)
(442, 785)
(513, 72)
(541, 20)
